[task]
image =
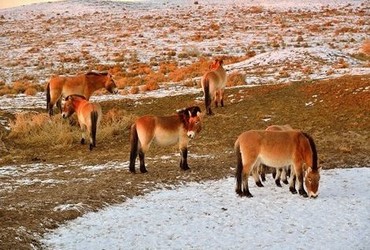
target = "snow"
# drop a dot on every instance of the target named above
(209, 215)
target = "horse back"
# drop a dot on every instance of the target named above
(84, 110)
(275, 148)
(216, 78)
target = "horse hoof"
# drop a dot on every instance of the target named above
(303, 193)
(82, 141)
(133, 171)
(286, 182)
(91, 147)
(249, 195)
(259, 184)
(143, 171)
(293, 190)
(277, 182)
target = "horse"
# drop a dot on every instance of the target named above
(278, 173)
(213, 84)
(164, 131)
(277, 149)
(88, 114)
(82, 84)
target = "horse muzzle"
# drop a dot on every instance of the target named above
(191, 134)
(313, 195)
(64, 115)
(115, 91)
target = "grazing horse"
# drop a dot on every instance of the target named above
(82, 84)
(165, 131)
(213, 84)
(88, 115)
(277, 149)
(278, 173)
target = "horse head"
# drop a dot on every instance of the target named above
(217, 63)
(110, 84)
(312, 178)
(69, 107)
(192, 120)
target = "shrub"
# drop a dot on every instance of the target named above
(235, 79)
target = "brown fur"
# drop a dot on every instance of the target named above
(88, 115)
(83, 84)
(164, 131)
(277, 149)
(278, 173)
(213, 84)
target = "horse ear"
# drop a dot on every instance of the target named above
(189, 113)
(67, 98)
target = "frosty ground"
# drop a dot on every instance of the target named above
(209, 215)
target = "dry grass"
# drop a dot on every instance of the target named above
(30, 128)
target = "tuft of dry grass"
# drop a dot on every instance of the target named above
(38, 129)
(235, 79)
(31, 128)
(114, 121)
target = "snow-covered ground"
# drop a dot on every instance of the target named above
(209, 215)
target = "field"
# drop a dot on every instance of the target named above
(313, 76)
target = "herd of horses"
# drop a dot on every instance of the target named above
(289, 152)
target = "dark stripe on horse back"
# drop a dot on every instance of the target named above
(96, 73)
(81, 96)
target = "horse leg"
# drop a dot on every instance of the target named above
(184, 157)
(59, 105)
(262, 172)
(292, 181)
(300, 184)
(245, 188)
(142, 161)
(216, 98)
(284, 176)
(83, 133)
(277, 177)
(222, 94)
(256, 176)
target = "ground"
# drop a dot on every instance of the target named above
(283, 49)
(63, 184)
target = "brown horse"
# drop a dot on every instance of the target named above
(88, 115)
(277, 149)
(213, 84)
(82, 84)
(278, 173)
(165, 131)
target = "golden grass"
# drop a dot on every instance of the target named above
(235, 79)
(39, 129)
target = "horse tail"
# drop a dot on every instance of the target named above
(239, 167)
(314, 150)
(94, 123)
(134, 141)
(207, 95)
(48, 98)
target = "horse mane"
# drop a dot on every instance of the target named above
(94, 73)
(184, 114)
(75, 95)
(314, 150)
